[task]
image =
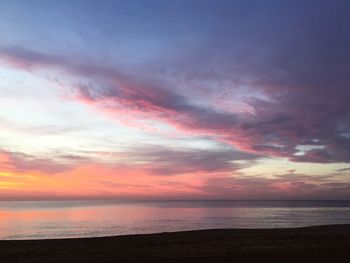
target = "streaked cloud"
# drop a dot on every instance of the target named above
(219, 98)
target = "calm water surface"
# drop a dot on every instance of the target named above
(67, 219)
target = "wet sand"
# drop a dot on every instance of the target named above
(309, 244)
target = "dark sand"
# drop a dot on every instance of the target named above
(311, 244)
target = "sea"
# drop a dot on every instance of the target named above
(73, 219)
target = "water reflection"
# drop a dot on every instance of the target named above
(28, 220)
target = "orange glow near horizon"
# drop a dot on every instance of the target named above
(164, 107)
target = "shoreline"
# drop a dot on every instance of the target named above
(328, 243)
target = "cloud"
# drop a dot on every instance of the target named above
(166, 161)
(291, 57)
(169, 161)
(343, 169)
(284, 186)
(19, 162)
(275, 128)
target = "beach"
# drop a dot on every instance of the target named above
(307, 244)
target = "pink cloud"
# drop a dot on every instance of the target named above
(292, 117)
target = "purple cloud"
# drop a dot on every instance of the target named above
(19, 162)
(284, 186)
(294, 67)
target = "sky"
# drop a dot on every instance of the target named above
(180, 99)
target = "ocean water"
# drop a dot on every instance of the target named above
(69, 219)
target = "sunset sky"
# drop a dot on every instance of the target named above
(174, 99)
